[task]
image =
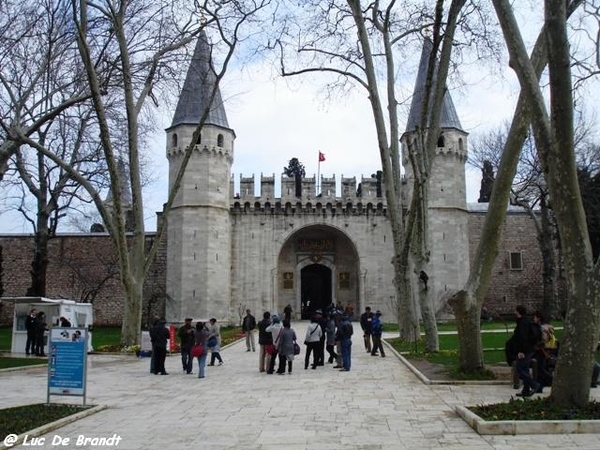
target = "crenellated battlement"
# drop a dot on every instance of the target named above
(215, 150)
(366, 196)
(309, 208)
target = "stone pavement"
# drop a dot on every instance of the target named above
(379, 404)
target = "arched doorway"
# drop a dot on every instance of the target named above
(317, 265)
(315, 289)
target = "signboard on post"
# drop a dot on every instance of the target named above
(67, 362)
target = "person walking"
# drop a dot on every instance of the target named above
(40, 333)
(287, 313)
(265, 338)
(275, 329)
(376, 331)
(527, 335)
(366, 322)
(330, 338)
(214, 341)
(312, 341)
(186, 341)
(344, 336)
(248, 326)
(159, 335)
(200, 338)
(31, 344)
(286, 348)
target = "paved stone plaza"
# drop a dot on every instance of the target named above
(379, 404)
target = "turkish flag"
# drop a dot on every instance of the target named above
(321, 157)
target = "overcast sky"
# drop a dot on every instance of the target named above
(278, 119)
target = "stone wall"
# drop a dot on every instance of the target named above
(82, 267)
(512, 287)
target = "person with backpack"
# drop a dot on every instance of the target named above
(527, 334)
(344, 337)
(376, 331)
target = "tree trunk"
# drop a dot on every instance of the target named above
(547, 247)
(130, 328)
(468, 315)
(555, 145)
(39, 265)
(473, 295)
(408, 321)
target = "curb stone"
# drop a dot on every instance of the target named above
(504, 427)
(514, 427)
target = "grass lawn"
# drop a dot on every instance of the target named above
(25, 418)
(6, 363)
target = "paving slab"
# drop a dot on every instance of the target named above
(380, 404)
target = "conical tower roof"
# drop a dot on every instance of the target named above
(199, 83)
(448, 116)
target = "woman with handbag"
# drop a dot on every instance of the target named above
(199, 349)
(286, 342)
(214, 342)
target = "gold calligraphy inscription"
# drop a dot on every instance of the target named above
(315, 245)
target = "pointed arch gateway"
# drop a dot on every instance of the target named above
(318, 265)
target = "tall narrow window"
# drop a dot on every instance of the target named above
(516, 260)
(199, 140)
(174, 140)
(441, 141)
(220, 140)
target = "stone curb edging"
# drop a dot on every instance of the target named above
(426, 380)
(54, 425)
(504, 427)
(514, 427)
(14, 369)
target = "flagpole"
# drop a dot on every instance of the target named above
(318, 174)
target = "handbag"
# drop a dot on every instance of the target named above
(197, 350)
(212, 341)
(296, 348)
(270, 349)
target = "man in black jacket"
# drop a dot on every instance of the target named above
(265, 339)
(159, 334)
(30, 345)
(526, 339)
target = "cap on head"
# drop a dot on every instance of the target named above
(377, 313)
(276, 319)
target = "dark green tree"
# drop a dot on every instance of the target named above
(296, 169)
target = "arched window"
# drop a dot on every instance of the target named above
(199, 140)
(174, 140)
(220, 140)
(441, 141)
(460, 145)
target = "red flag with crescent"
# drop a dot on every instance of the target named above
(321, 157)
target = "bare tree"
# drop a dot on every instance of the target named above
(131, 51)
(361, 45)
(54, 193)
(554, 134)
(530, 191)
(36, 54)
(467, 303)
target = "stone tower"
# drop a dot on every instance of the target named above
(448, 268)
(199, 228)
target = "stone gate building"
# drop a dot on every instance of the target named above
(226, 251)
